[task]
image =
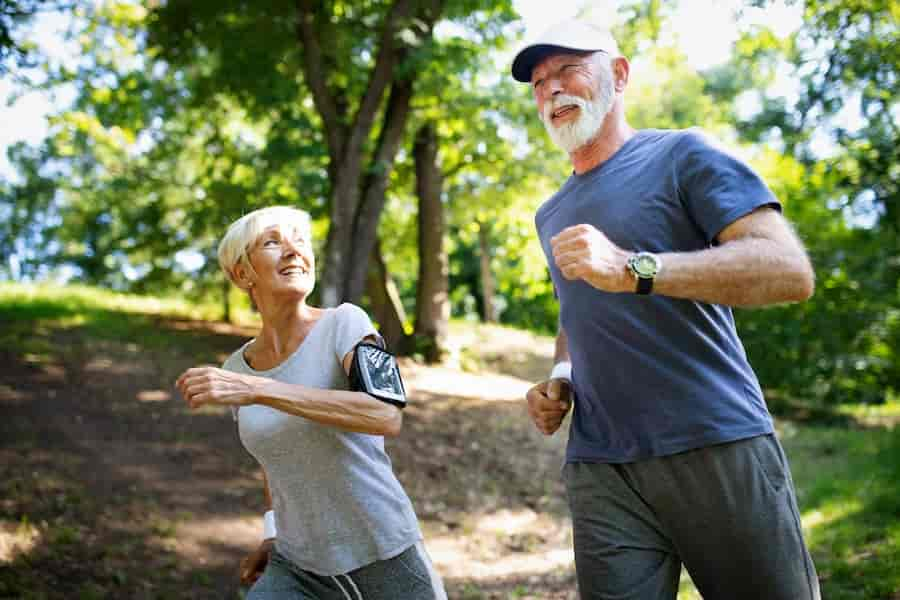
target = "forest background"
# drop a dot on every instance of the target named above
(396, 125)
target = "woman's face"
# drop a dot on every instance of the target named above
(283, 260)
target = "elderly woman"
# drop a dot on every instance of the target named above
(343, 527)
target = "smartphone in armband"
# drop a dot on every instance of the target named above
(374, 371)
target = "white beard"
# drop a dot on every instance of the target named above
(575, 134)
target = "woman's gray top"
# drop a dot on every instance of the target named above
(338, 505)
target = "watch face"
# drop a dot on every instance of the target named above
(644, 265)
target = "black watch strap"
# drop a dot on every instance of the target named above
(644, 285)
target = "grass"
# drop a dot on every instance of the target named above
(103, 312)
(41, 301)
(849, 491)
(32, 316)
(846, 464)
(885, 415)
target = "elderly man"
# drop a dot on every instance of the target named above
(672, 457)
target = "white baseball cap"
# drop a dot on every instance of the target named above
(573, 35)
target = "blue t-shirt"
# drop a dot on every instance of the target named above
(655, 375)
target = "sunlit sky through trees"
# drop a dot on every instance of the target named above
(703, 29)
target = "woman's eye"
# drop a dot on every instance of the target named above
(269, 243)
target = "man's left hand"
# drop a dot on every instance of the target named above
(584, 252)
(211, 385)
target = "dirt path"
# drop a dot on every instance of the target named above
(111, 488)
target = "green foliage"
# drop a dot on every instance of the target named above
(838, 179)
(836, 347)
(189, 114)
(135, 173)
(33, 302)
(666, 93)
(22, 229)
(498, 165)
(16, 15)
(29, 310)
(850, 495)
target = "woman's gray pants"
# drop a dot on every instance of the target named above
(408, 576)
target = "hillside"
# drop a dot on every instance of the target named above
(111, 488)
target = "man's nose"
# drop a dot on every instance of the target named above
(556, 87)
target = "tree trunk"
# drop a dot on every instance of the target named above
(385, 300)
(356, 199)
(365, 230)
(489, 313)
(338, 245)
(432, 299)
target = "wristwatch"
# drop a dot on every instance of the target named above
(644, 266)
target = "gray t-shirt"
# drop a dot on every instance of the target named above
(654, 375)
(338, 505)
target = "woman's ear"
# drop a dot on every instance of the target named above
(241, 277)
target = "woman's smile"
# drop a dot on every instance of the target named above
(294, 270)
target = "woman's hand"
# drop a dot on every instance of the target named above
(253, 565)
(211, 385)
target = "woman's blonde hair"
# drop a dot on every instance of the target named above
(243, 233)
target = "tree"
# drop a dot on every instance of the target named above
(16, 15)
(838, 177)
(23, 231)
(432, 297)
(359, 65)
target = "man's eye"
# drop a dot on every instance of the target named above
(538, 84)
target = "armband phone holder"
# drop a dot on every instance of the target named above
(374, 371)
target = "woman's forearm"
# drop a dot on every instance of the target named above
(352, 411)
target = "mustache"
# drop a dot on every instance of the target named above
(563, 100)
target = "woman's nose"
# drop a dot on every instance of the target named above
(290, 247)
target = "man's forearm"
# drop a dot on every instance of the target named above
(562, 366)
(561, 350)
(744, 272)
(268, 493)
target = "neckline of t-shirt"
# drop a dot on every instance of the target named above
(289, 359)
(640, 133)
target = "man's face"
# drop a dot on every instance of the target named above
(574, 93)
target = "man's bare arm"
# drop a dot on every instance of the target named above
(561, 350)
(268, 494)
(759, 261)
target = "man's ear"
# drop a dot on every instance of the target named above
(620, 70)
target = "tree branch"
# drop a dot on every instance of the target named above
(316, 79)
(380, 78)
(375, 184)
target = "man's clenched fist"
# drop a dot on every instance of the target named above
(548, 403)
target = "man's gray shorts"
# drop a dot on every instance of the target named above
(409, 575)
(727, 512)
